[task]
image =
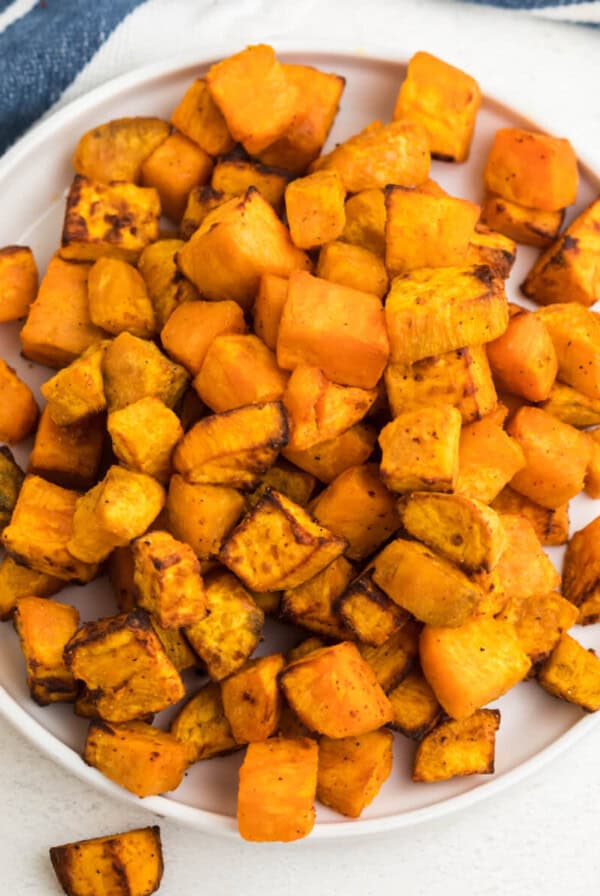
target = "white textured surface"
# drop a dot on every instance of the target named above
(539, 836)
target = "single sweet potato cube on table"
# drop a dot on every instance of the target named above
(539, 622)
(329, 459)
(11, 480)
(144, 435)
(531, 226)
(313, 604)
(252, 700)
(135, 368)
(368, 613)
(116, 150)
(420, 450)
(488, 460)
(524, 569)
(392, 661)
(202, 515)
(353, 266)
(173, 169)
(18, 581)
(202, 726)
(199, 118)
(523, 360)
(315, 209)
(458, 747)
(193, 327)
(494, 249)
(118, 299)
(573, 673)
(77, 392)
(550, 526)
(352, 770)
(19, 410)
(18, 281)
(416, 709)
(365, 221)
(44, 628)
(166, 285)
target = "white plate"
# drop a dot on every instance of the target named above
(33, 179)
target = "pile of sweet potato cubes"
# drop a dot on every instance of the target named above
(312, 400)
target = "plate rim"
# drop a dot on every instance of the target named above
(49, 743)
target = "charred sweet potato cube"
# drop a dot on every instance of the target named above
(18, 410)
(77, 391)
(116, 219)
(144, 435)
(352, 770)
(122, 658)
(572, 673)
(572, 406)
(235, 245)
(368, 612)
(334, 692)
(328, 459)
(58, 327)
(445, 100)
(531, 226)
(428, 586)
(550, 526)
(416, 709)
(313, 604)
(488, 460)
(233, 448)
(523, 359)
(11, 480)
(461, 378)
(202, 515)
(539, 622)
(194, 326)
(556, 457)
(575, 332)
(458, 747)
(568, 270)
(168, 581)
(491, 248)
(268, 308)
(316, 108)
(118, 299)
(392, 660)
(532, 169)
(338, 329)
(251, 699)
(432, 311)
(202, 726)
(232, 628)
(315, 209)
(581, 570)
(278, 783)
(44, 628)
(173, 169)
(239, 369)
(138, 757)
(117, 149)
(420, 450)
(166, 285)
(278, 545)
(135, 368)
(424, 231)
(255, 95)
(68, 455)
(41, 528)
(176, 647)
(381, 154)
(18, 281)
(199, 118)
(353, 266)
(358, 507)
(114, 512)
(232, 176)
(365, 221)
(18, 581)
(295, 484)
(524, 569)
(201, 201)
(473, 664)
(128, 864)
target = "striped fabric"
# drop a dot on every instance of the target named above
(582, 12)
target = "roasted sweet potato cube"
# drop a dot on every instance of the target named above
(473, 664)
(193, 327)
(316, 108)
(338, 329)
(44, 628)
(445, 100)
(352, 770)
(458, 747)
(532, 169)
(18, 281)
(572, 406)
(235, 245)
(18, 581)
(18, 410)
(416, 709)
(202, 726)
(313, 604)
(77, 392)
(114, 512)
(199, 118)
(491, 248)
(122, 658)
(201, 201)
(176, 647)
(315, 209)
(268, 308)
(58, 327)
(202, 515)
(41, 528)
(368, 612)
(432, 311)
(118, 299)
(572, 673)
(135, 368)
(166, 285)
(117, 149)
(381, 154)
(335, 692)
(531, 226)
(328, 459)
(420, 450)
(278, 783)
(358, 507)
(556, 457)
(295, 484)
(251, 699)
(523, 359)
(168, 581)
(68, 455)
(550, 526)
(11, 480)
(461, 529)
(392, 660)
(278, 545)
(128, 864)
(233, 448)
(233, 175)
(231, 630)
(425, 584)
(575, 332)
(539, 622)
(255, 95)
(365, 221)
(424, 231)
(116, 219)
(353, 266)
(144, 435)
(524, 569)
(138, 757)
(174, 167)
(581, 571)
(488, 460)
